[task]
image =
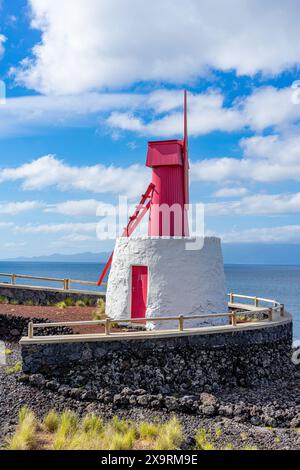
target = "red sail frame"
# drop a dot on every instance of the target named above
(133, 222)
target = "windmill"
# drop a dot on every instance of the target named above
(156, 275)
(169, 188)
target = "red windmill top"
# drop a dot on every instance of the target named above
(167, 196)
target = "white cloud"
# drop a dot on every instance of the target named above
(89, 44)
(259, 204)
(206, 113)
(230, 192)
(265, 107)
(18, 207)
(269, 106)
(79, 208)
(266, 159)
(58, 228)
(49, 171)
(283, 149)
(27, 114)
(283, 234)
(2, 41)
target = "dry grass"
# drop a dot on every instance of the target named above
(99, 313)
(203, 441)
(14, 369)
(25, 435)
(51, 421)
(65, 432)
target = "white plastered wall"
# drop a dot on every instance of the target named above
(181, 281)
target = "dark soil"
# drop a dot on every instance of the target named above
(221, 431)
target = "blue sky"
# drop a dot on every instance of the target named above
(90, 82)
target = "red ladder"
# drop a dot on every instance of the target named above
(133, 222)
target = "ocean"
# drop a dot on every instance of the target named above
(275, 282)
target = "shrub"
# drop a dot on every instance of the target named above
(80, 303)
(67, 428)
(24, 412)
(51, 421)
(229, 447)
(99, 313)
(68, 423)
(61, 304)
(15, 369)
(29, 302)
(69, 302)
(64, 432)
(170, 436)
(25, 436)
(122, 441)
(92, 424)
(6, 352)
(201, 438)
(4, 300)
(120, 425)
(148, 431)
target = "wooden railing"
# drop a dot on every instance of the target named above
(233, 317)
(66, 283)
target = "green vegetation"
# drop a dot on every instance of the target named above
(4, 300)
(15, 369)
(51, 421)
(6, 352)
(25, 435)
(66, 432)
(203, 441)
(99, 313)
(61, 305)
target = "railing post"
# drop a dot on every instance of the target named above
(233, 319)
(107, 326)
(231, 298)
(181, 319)
(256, 302)
(66, 284)
(30, 329)
(282, 310)
(13, 279)
(270, 314)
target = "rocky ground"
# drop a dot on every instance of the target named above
(266, 418)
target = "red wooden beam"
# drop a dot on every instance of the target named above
(134, 221)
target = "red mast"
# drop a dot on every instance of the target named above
(170, 176)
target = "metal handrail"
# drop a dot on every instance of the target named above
(232, 316)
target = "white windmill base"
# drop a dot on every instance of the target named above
(185, 277)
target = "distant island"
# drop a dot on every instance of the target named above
(234, 253)
(60, 258)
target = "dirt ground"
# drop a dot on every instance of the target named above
(55, 314)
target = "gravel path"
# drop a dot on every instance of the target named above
(231, 432)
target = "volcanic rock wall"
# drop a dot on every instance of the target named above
(178, 364)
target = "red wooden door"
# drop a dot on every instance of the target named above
(139, 291)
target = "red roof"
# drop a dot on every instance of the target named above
(164, 153)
